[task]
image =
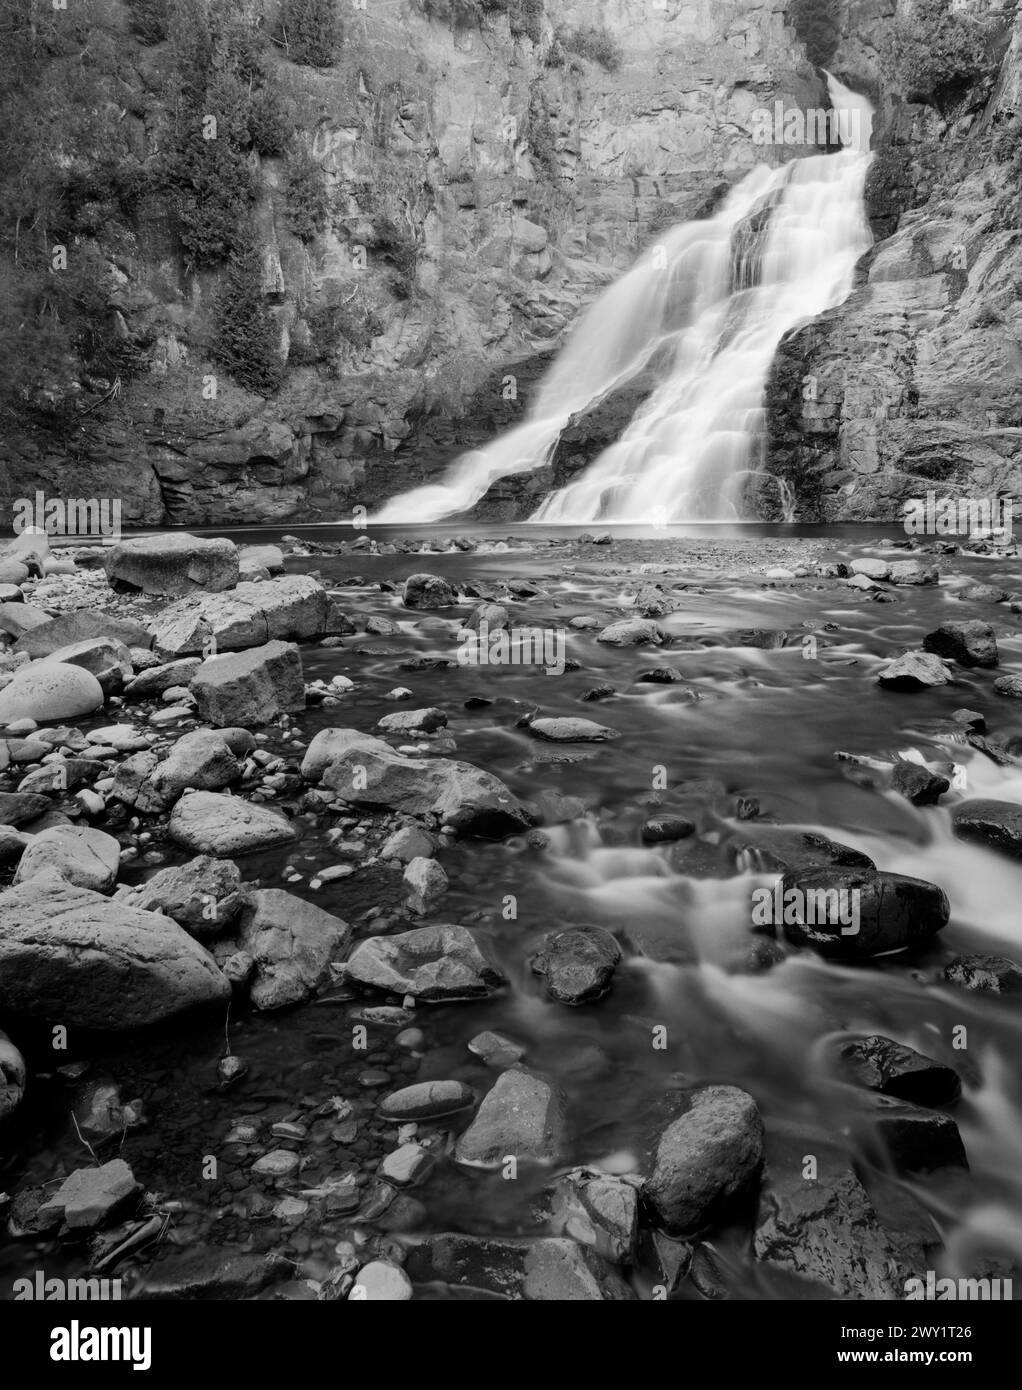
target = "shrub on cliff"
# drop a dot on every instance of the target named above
(939, 53)
(593, 42)
(271, 119)
(816, 24)
(149, 20)
(307, 201)
(247, 341)
(310, 32)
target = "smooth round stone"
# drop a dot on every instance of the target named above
(660, 830)
(427, 1100)
(277, 1164)
(381, 1280)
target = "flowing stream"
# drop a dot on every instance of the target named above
(710, 302)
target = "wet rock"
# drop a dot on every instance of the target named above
(909, 572)
(570, 730)
(44, 692)
(522, 1116)
(662, 675)
(294, 608)
(84, 857)
(18, 807)
(292, 943)
(879, 570)
(278, 1165)
(152, 682)
(413, 721)
(1009, 685)
(367, 772)
(970, 644)
(544, 1270)
(982, 593)
(430, 963)
(918, 784)
(914, 671)
(766, 848)
(597, 692)
(74, 956)
(211, 1272)
(598, 1210)
(825, 1229)
(99, 1113)
(578, 964)
(632, 632)
(706, 1159)
(985, 974)
(406, 1166)
(106, 658)
(250, 687)
(91, 1196)
(426, 1100)
(652, 602)
(12, 1077)
(426, 882)
(494, 616)
(203, 895)
(912, 1138)
(173, 564)
(210, 823)
(847, 913)
(883, 1065)
(381, 1281)
(496, 1050)
(408, 843)
(996, 824)
(428, 591)
(659, 830)
(230, 1070)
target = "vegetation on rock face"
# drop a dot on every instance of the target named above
(247, 340)
(592, 42)
(939, 52)
(816, 23)
(307, 201)
(310, 32)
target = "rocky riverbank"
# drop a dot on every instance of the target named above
(222, 868)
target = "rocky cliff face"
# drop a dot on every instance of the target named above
(486, 176)
(915, 383)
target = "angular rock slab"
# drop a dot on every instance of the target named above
(71, 956)
(430, 963)
(173, 564)
(209, 823)
(250, 687)
(523, 1117)
(292, 943)
(84, 857)
(294, 608)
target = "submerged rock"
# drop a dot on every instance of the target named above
(212, 1272)
(523, 1117)
(430, 963)
(910, 1137)
(544, 1270)
(705, 1159)
(768, 847)
(578, 964)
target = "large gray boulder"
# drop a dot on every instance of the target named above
(985, 821)
(204, 895)
(429, 591)
(85, 857)
(433, 964)
(50, 693)
(210, 823)
(108, 659)
(292, 943)
(523, 1116)
(848, 913)
(204, 760)
(75, 957)
(971, 643)
(173, 564)
(294, 608)
(79, 626)
(250, 687)
(151, 683)
(366, 771)
(706, 1158)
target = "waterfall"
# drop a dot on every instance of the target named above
(710, 302)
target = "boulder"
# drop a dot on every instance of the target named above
(524, 1116)
(204, 760)
(18, 807)
(45, 692)
(107, 659)
(204, 895)
(82, 856)
(429, 591)
(210, 823)
(426, 881)
(292, 943)
(426, 1100)
(295, 608)
(1010, 686)
(996, 824)
(578, 964)
(706, 1158)
(407, 722)
(72, 956)
(430, 963)
(632, 632)
(970, 643)
(848, 913)
(912, 1138)
(879, 570)
(914, 671)
(889, 1067)
(13, 1074)
(254, 558)
(154, 680)
(597, 1209)
(918, 784)
(79, 626)
(173, 564)
(366, 771)
(250, 687)
(18, 618)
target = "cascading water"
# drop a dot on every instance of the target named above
(710, 302)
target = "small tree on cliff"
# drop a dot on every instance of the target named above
(247, 342)
(310, 32)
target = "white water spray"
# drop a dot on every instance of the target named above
(710, 303)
